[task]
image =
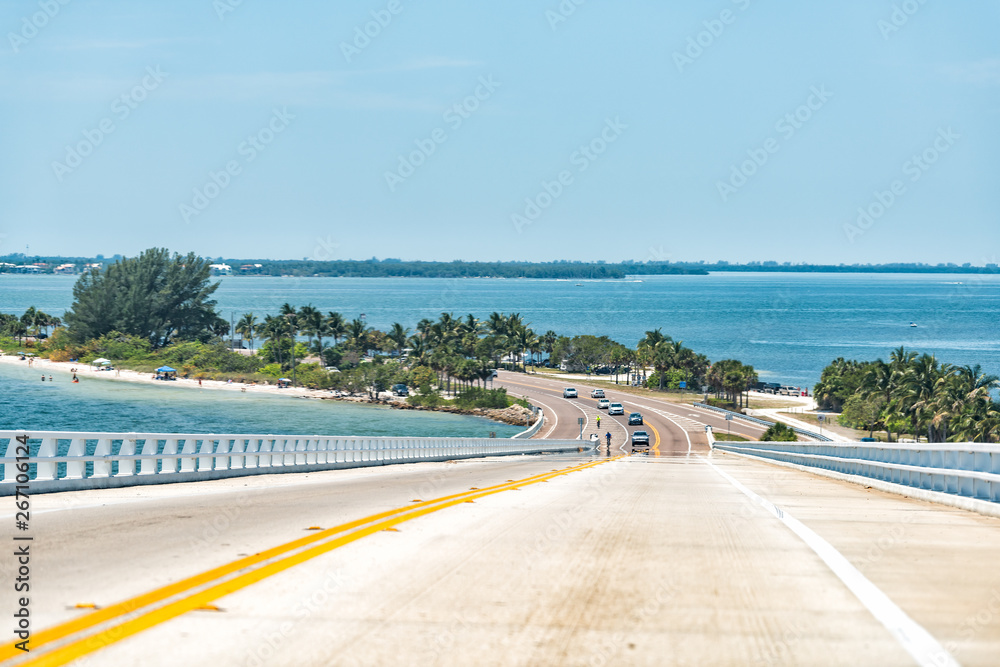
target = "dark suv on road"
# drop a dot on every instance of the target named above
(635, 419)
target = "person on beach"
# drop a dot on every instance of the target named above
(199, 382)
(50, 378)
(43, 378)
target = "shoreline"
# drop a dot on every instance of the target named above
(512, 416)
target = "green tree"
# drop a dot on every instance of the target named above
(863, 411)
(247, 327)
(156, 296)
(779, 432)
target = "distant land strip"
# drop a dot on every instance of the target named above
(395, 268)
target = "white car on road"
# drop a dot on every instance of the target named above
(569, 392)
(616, 409)
(603, 404)
(597, 393)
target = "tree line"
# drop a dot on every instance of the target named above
(32, 322)
(913, 394)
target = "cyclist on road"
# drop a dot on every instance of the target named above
(607, 436)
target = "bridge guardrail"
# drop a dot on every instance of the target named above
(964, 470)
(763, 422)
(65, 461)
(533, 429)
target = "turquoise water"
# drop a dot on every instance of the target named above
(788, 326)
(27, 403)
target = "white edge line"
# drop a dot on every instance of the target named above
(919, 643)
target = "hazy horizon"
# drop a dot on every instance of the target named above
(855, 132)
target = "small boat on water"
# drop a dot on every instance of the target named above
(913, 324)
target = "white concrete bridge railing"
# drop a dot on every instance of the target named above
(965, 475)
(64, 461)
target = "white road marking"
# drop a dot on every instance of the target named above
(919, 643)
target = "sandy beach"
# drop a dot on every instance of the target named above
(514, 415)
(90, 373)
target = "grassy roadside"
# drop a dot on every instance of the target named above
(828, 425)
(729, 437)
(681, 397)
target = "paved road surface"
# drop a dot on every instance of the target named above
(670, 420)
(583, 559)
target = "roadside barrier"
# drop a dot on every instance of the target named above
(763, 422)
(969, 473)
(540, 414)
(50, 461)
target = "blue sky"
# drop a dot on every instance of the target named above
(855, 131)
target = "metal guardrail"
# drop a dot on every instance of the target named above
(64, 461)
(968, 470)
(534, 428)
(763, 422)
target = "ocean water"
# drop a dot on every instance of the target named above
(27, 403)
(788, 326)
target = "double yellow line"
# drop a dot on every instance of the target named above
(97, 630)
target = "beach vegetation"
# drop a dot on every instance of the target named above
(914, 394)
(779, 432)
(155, 296)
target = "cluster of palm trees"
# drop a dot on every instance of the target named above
(665, 354)
(466, 350)
(732, 379)
(32, 323)
(917, 394)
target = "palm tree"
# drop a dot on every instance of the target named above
(310, 321)
(398, 335)
(336, 326)
(357, 336)
(247, 326)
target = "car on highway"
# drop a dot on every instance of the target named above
(616, 409)
(603, 404)
(635, 419)
(640, 440)
(597, 393)
(569, 392)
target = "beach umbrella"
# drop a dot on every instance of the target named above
(102, 360)
(283, 380)
(165, 369)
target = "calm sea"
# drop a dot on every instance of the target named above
(788, 326)
(27, 403)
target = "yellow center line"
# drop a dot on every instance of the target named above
(101, 639)
(136, 603)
